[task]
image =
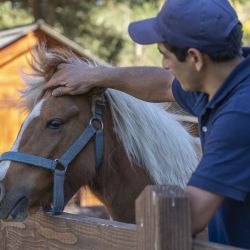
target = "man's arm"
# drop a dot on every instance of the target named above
(203, 206)
(152, 84)
(148, 83)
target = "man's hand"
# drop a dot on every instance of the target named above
(73, 79)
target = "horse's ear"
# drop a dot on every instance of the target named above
(97, 95)
(98, 92)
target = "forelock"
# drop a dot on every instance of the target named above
(44, 63)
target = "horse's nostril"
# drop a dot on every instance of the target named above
(2, 191)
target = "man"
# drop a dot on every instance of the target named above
(208, 73)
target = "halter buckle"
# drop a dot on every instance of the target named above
(59, 166)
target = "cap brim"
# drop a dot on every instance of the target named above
(144, 32)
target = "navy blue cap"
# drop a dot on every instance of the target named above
(201, 24)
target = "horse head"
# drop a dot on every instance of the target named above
(51, 127)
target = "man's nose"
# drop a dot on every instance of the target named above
(2, 191)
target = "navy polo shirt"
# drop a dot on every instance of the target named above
(224, 126)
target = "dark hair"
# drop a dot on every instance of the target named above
(235, 39)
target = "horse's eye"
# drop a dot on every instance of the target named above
(54, 124)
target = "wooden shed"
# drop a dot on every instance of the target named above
(15, 46)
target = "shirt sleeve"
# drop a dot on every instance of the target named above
(187, 100)
(225, 165)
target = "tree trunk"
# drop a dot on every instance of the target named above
(40, 9)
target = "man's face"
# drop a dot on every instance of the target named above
(184, 72)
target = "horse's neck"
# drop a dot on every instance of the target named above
(118, 186)
(118, 183)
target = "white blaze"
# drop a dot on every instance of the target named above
(4, 166)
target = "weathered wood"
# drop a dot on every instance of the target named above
(163, 222)
(67, 232)
(15, 50)
(163, 219)
(204, 245)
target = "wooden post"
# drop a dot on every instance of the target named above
(163, 219)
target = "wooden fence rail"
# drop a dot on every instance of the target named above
(162, 222)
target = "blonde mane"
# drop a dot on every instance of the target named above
(152, 138)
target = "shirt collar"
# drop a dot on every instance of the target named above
(240, 73)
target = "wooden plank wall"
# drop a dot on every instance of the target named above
(163, 222)
(10, 122)
(13, 59)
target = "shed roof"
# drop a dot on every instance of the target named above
(8, 36)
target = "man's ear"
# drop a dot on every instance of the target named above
(196, 58)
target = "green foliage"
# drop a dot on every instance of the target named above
(101, 25)
(243, 9)
(87, 29)
(117, 23)
(12, 17)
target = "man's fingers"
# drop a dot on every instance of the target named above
(55, 80)
(52, 83)
(61, 91)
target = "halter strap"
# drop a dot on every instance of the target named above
(59, 166)
(29, 159)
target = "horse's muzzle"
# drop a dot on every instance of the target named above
(12, 207)
(14, 210)
(20, 211)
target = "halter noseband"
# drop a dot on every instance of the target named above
(59, 166)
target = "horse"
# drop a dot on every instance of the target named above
(142, 145)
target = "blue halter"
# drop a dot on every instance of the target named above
(60, 166)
